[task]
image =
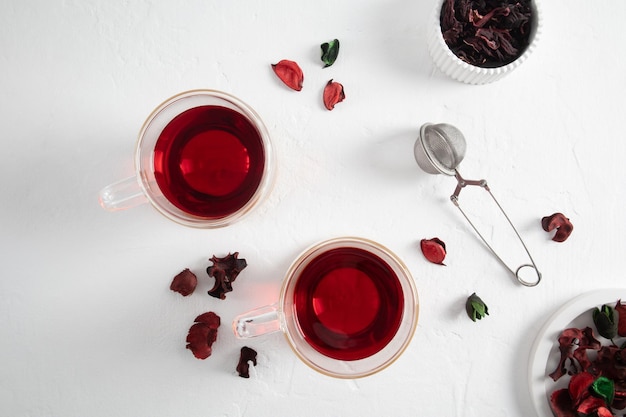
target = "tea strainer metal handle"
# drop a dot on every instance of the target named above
(440, 149)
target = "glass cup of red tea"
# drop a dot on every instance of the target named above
(348, 307)
(203, 158)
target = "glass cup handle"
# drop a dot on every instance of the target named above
(122, 195)
(257, 322)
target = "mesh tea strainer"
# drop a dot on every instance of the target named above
(440, 149)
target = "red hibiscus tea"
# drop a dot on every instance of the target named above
(348, 303)
(348, 307)
(209, 161)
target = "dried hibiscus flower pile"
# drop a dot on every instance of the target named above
(598, 372)
(203, 333)
(486, 33)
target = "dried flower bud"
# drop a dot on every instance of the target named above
(246, 356)
(330, 51)
(289, 73)
(606, 319)
(184, 283)
(333, 94)
(434, 250)
(475, 307)
(559, 222)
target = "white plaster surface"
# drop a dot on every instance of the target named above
(88, 325)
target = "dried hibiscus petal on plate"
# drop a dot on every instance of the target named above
(333, 94)
(225, 271)
(184, 283)
(573, 345)
(246, 356)
(434, 250)
(559, 222)
(202, 334)
(289, 73)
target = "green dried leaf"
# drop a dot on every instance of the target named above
(604, 388)
(606, 321)
(330, 51)
(475, 307)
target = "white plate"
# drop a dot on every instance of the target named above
(544, 354)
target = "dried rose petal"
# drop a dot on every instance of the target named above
(184, 283)
(561, 223)
(561, 404)
(225, 271)
(202, 335)
(589, 405)
(434, 250)
(333, 94)
(621, 323)
(289, 73)
(247, 355)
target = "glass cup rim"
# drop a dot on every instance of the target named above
(144, 163)
(371, 364)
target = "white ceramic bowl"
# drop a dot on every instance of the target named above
(460, 70)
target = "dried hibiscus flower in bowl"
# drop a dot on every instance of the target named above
(597, 386)
(480, 41)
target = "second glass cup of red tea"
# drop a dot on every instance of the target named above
(203, 158)
(348, 307)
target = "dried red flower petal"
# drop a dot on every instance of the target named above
(333, 94)
(289, 73)
(559, 222)
(184, 283)
(225, 271)
(561, 404)
(434, 250)
(202, 335)
(246, 356)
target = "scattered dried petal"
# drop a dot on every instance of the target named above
(289, 73)
(561, 223)
(434, 250)
(475, 307)
(330, 51)
(333, 94)
(225, 271)
(246, 356)
(184, 283)
(202, 334)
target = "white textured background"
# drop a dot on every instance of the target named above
(88, 325)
